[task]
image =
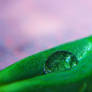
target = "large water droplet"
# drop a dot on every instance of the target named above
(60, 61)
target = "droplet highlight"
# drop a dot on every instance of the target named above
(60, 61)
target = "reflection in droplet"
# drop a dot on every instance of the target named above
(60, 61)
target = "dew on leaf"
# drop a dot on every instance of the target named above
(60, 61)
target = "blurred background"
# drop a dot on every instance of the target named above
(30, 26)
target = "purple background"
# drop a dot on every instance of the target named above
(30, 26)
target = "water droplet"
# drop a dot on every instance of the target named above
(60, 61)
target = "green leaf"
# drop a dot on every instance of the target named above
(27, 74)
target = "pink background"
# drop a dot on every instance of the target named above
(30, 26)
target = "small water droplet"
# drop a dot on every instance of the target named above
(60, 61)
